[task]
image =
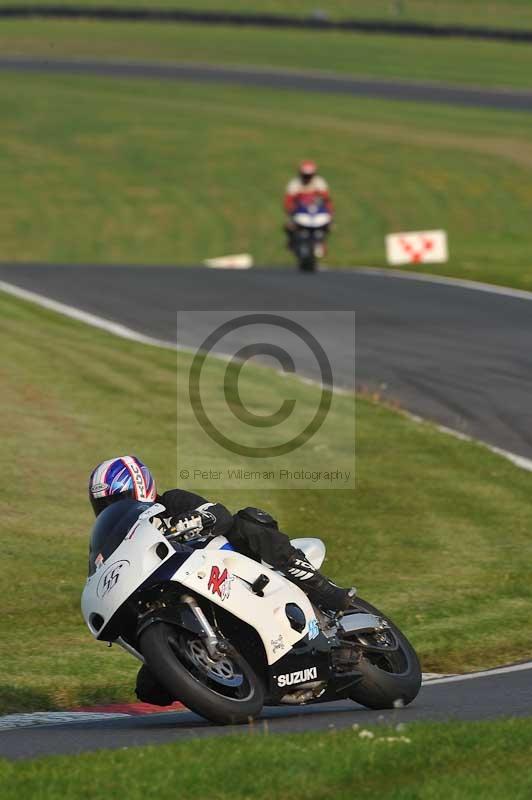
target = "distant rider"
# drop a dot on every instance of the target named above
(305, 189)
(250, 531)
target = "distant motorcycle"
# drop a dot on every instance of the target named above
(311, 226)
(227, 635)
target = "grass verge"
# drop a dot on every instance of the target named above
(436, 533)
(402, 57)
(99, 170)
(445, 761)
(496, 13)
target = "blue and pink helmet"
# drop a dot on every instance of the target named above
(118, 478)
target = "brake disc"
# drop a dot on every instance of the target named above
(221, 670)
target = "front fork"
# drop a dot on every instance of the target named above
(212, 642)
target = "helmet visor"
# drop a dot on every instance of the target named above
(99, 503)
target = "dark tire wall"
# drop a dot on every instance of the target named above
(179, 683)
(379, 689)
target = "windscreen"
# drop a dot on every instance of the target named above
(111, 528)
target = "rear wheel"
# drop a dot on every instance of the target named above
(391, 673)
(223, 689)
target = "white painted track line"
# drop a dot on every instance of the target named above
(95, 321)
(487, 673)
(31, 720)
(460, 283)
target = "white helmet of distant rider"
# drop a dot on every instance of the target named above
(307, 170)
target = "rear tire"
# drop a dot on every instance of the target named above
(388, 681)
(164, 658)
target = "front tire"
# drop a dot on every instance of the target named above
(389, 680)
(304, 250)
(227, 693)
(307, 264)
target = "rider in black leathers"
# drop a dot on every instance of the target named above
(250, 531)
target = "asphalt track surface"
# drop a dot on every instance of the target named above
(413, 91)
(488, 697)
(459, 357)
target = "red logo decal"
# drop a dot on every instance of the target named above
(220, 583)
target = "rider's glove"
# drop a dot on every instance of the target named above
(191, 524)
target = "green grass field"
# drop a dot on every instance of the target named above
(435, 534)
(408, 58)
(110, 170)
(477, 761)
(497, 13)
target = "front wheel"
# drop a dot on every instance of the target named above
(224, 690)
(304, 251)
(307, 264)
(390, 678)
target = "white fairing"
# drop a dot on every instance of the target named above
(306, 220)
(223, 576)
(125, 570)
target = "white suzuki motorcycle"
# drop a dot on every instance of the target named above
(226, 635)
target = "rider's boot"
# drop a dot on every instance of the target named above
(149, 690)
(321, 590)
